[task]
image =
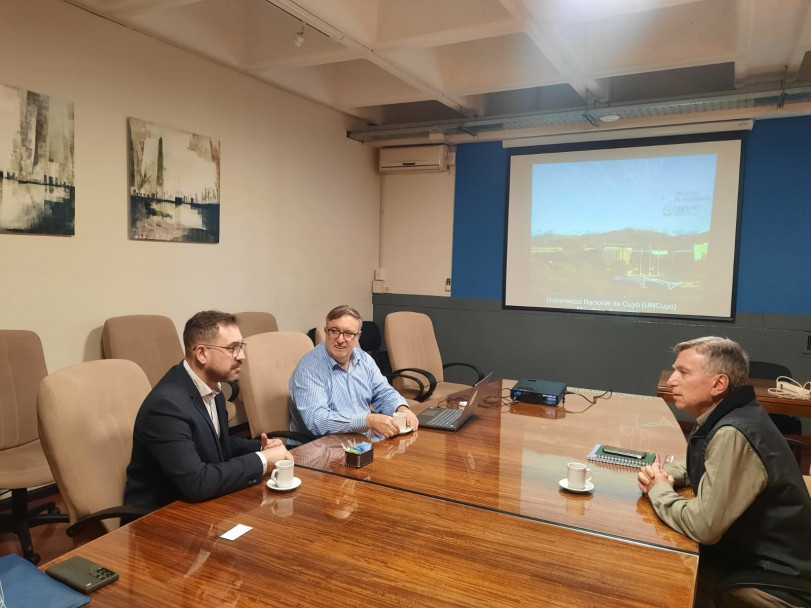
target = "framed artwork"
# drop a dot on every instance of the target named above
(174, 184)
(37, 191)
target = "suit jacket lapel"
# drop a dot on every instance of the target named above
(201, 410)
(222, 415)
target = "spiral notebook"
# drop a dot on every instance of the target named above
(621, 456)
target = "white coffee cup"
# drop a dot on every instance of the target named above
(282, 475)
(400, 419)
(576, 475)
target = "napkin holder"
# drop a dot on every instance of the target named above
(359, 460)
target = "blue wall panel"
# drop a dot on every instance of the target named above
(774, 259)
(774, 264)
(478, 220)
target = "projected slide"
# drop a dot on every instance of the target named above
(647, 230)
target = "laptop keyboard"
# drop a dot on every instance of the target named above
(446, 418)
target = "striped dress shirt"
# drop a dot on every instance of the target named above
(329, 399)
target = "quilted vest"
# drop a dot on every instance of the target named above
(774, 533)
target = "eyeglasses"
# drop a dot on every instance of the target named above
(334, 332)
(235, 350)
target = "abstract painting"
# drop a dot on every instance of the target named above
(174, 184)
(37, 192)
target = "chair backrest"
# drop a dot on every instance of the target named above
(22, 368)
(269, 362)
(317, 335)
(252, 323)
(370, 338)
(151, 341)
(767, 371)
(86, 417)
(411, 342)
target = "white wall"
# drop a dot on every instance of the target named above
(417, 232)
(299, 226)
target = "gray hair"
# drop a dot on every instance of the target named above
(721, 356)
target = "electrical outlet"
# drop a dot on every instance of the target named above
(448, 284)
(807, 348)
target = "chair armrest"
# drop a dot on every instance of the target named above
(473, 367)
(234, 384)
(428, 375)
(421, 394)
(796, 443)
(794, 585)
(797, 448)
(127, 513)
(301, 437)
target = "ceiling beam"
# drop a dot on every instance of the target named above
(133, 8)
(456, 103)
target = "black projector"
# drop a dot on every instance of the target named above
(539, 392)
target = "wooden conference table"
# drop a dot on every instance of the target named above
(472, 518)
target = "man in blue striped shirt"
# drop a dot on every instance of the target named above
(334, 385)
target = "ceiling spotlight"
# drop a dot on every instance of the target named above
(298, 37)
(609, 117)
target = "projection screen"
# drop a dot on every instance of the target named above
(642, 229)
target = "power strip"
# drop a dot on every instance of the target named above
(790, 388)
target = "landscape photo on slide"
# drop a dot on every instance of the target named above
(174, 184)
(624, 235)
(37, 192)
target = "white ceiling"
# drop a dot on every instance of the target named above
(465, 69)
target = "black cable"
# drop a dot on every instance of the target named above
(590, 401)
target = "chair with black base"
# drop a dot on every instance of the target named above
(22, 461)
(413, 351)
(372, 342)
(791, 589)
(152, 342)
(763, 370)
(86, 418)
(266, 372)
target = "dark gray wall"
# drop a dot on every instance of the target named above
(624, 354)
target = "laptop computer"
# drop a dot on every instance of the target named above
(448, 419)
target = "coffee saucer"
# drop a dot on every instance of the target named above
(272, 485)
(406, 430)
(564, 483)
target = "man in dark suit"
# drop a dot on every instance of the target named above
(181, 448)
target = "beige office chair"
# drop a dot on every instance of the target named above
(414, 354)
(86, 417)
(22, 461)
(252, 323)
(270, 361)
(152, 342)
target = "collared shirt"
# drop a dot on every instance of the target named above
(208, 395)
(331, 399)
(733, 478)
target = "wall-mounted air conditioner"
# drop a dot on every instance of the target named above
(432, 157)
